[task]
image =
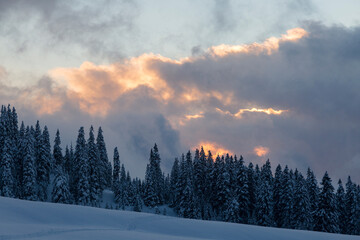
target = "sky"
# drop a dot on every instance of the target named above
(263, 79)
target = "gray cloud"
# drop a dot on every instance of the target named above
(223, 16)
(315, 79)
(67, 24)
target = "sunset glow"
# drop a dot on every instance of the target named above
(261, 151)
(215, 148)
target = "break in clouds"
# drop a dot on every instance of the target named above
(293, 99)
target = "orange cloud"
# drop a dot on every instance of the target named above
(95, 88)
(268, 46)
(215, 148)
(261, 151)
(269, 111)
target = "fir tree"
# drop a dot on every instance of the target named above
(57, 152)
(43, 165)
(326, 219)
(7, 179)
(313, 191)
(264, 201)
(94, 169)
(60, 192)
(116, 172)
(341, 207)
(301, 214)
(105, 178)
(351, 208)
(29, 173)
(242, 192)
(80, 171)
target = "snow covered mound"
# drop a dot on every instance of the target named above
(36, 220)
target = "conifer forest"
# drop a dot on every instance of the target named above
(35, 167)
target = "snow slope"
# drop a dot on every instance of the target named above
(21, 219)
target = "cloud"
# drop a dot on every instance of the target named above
(261, 151)
(296, 94)
(64, 25)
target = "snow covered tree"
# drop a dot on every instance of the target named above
(80, 173)
(313, 191)
(153, 180)
(231, 213)
(242, 193)
(29, 172)
(174, 178)
(326, 219)
(94, 169)
(57, 152)
(341, 207)
(285, 204)
(301, 213)
(43, 165)
(252, 192)
(116, 172)
(105, 178)
(60, 192)
(7, 180)
(264, 197)
(351, 208)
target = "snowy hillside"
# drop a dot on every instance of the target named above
(21, 219)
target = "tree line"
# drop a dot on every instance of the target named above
(199, 186)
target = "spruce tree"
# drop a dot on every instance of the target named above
(301, 214)
(60, 192)
(264, 198)
(43, 165)
(57, 152)
(341, 207)
(116, 172)
(29, 172)
(351, 208)
(81, 171)
(242, 193)
(326, 219)
(105, 178)
(7, 180)
(94, 169)
(313, 191)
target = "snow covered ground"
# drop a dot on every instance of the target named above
(35, 220)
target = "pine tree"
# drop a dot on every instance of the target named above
(285, 199)
(57, 152)
(301, 214)
(242, 193)
(341, 207)
(7, 179)
(94, 168)
(326, 219)
(18, 159)
(154, 180)
(43, 165)
(277, 196)
(60, 192)
(29, 173)
(116, 172)
(252, 191)
(105, 178)
(264, 198)
(174, 178)
(313, 191)
(351, 208)
(80, 171)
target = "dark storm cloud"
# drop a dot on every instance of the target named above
(315, 78)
